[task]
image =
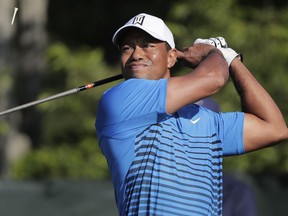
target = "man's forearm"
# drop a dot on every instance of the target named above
(254, 98)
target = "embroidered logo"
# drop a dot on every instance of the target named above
(138, 20)
(195, 121)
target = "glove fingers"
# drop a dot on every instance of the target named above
(218, 42)
(199, 40)
(222, 42)
(215, 42)
(205, 41)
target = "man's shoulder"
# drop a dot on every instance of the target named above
(135, 86)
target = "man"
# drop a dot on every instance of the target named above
(164, 152)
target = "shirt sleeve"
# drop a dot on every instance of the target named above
(132, 104)
(231, 125)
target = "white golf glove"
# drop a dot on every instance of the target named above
(220, 43)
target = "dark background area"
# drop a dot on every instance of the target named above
(93, 23)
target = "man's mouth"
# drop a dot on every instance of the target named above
(136, 66)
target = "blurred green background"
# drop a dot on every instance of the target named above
(56, 45)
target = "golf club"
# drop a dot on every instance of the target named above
(63, 94)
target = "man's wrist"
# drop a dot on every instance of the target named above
(240, 57)
(235, 63)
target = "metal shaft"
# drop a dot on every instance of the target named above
(63, 94)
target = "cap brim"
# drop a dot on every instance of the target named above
(116, 39)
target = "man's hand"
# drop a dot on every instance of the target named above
(220, 43)
(210, 73)
(193, 55)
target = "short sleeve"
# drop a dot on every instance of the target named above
(231, 125)
(133, 103)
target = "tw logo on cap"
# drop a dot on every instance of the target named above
(138, 20)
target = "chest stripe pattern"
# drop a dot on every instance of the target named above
(174, 173)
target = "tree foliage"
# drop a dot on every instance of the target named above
(257, 30)
(69, 141)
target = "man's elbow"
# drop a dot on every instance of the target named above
(220, 79)
(279, 135)
(282, 134)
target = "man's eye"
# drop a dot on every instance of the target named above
(125, 48)
(148, 45)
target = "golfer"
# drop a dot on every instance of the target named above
(164, 152)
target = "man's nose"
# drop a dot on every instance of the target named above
(137, 53)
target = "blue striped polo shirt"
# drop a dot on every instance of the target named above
(164, 164)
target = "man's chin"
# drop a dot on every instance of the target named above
(136, 75)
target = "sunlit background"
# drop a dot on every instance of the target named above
(50, 162)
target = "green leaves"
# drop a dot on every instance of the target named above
(69, 142)
(63, 162)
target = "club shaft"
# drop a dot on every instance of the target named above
(63, 94)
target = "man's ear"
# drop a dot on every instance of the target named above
(172, 58)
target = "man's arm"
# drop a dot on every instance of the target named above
(210, 74)
(264, 124)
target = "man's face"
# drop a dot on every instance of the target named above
(143, 56)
